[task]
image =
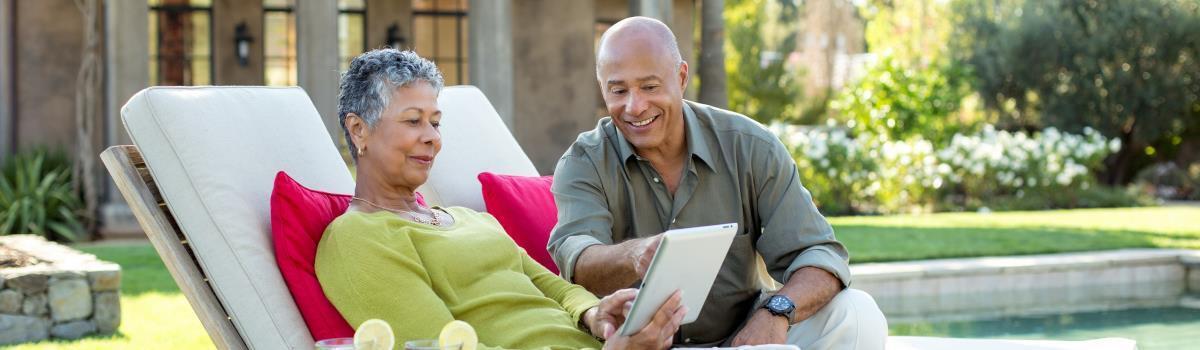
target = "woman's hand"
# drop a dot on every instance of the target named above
(604, 319)
(658, 334)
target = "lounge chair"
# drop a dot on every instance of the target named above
(199, 177)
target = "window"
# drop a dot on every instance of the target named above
(279, 42)
(180, 45)
(440, 34)
(352, 31)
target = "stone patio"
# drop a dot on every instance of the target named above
(55, 292)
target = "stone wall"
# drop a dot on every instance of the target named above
(68, 296)
(48, 36)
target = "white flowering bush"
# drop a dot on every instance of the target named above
(871, 174)
(829, 160)
(1002, 163)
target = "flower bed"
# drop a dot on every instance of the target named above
(872, 174)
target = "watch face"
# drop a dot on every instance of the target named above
(779, 304)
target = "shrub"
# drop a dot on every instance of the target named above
(901, 102)
(1166, 181)
(999, 163)
(873, 174)
(37, 197)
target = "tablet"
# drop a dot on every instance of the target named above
(686, 260)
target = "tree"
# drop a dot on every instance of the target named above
(1124, 67)
(712, 54)
(899, 102)
(87, 110)
(914, 33)
(759, 83)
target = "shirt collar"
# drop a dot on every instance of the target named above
(697, 144)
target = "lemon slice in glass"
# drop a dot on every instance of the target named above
(374, 334)
(458, 332)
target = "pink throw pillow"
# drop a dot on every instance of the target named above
(525, 208)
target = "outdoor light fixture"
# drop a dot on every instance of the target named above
(394, 39)
(241, 43)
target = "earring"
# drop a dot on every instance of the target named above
(360, 152)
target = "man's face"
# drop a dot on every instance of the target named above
(643, 92)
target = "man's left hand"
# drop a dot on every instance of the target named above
(763, 328)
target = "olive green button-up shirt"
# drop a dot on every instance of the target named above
(737, 171)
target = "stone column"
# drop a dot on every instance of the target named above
(127, 56)
(6, 90)
(682, 23)
(317, 58)
(382, 14)
(555, 94)
(660, 9)
(227, 15)
(490, 23)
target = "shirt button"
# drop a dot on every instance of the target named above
(688, 340)
(656, 180)
(672, 221)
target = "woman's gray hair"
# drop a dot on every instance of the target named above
(367, 87)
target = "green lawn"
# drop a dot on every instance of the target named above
(155, 314)
(947, 235)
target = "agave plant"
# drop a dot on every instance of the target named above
(37, 197)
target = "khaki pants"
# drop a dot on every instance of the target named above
(850, 321)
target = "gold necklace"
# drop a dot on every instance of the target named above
(434, 218)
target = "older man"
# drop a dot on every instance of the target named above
(660, 162)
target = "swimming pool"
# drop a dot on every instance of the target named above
(1154, 328)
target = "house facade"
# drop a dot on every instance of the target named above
(534, 59)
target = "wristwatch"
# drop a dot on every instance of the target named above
(781, 305)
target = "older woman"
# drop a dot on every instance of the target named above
(419, 267)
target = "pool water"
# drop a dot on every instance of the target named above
(1154, 328)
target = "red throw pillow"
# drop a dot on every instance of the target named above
(299, 216)
(525, 208)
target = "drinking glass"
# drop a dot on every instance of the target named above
(336, 344)
(429, 344)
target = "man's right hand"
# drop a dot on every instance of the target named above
(643, 253)
(603, 269)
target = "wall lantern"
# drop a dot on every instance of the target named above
(394, 39)
(241, 43)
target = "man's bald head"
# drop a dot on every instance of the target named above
(643, 34)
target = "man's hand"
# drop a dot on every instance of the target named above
(603, 269)
(763, 328)
(810, 288)
(658, 334)
(643, 253)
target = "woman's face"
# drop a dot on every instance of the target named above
(400, 149)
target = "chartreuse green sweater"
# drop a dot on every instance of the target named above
(419, 277)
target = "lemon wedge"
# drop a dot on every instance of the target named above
(374, 334)
(459, 332)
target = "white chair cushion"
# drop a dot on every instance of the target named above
(214, 152)
(474, 140)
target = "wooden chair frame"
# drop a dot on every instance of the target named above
(133, 179)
